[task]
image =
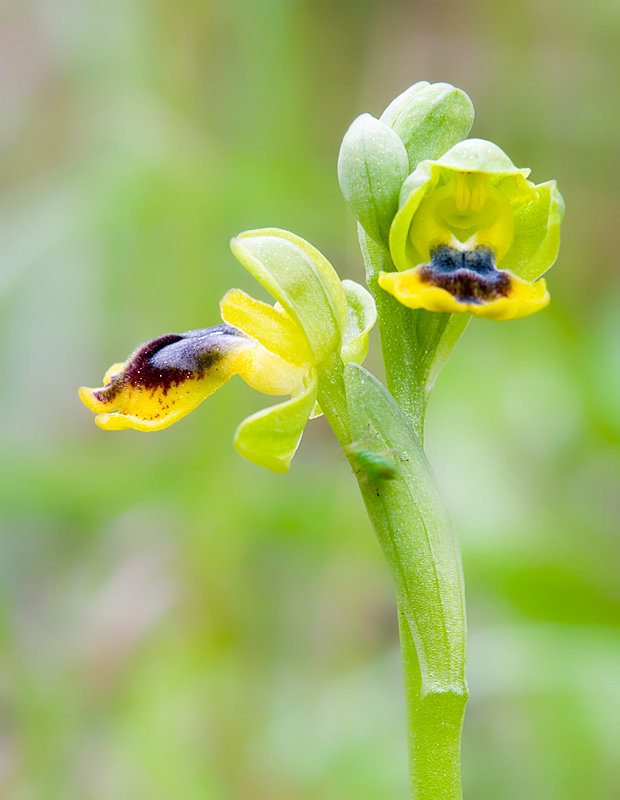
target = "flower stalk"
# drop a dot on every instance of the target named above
(415, 533)
(464, 208)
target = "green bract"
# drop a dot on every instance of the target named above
(302, 280)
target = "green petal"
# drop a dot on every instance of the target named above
(421, 181)
(270, 437)
(270, 326)
(430, 120)
(302, 280)
(372, 166)
(537, 234)
(362, 316)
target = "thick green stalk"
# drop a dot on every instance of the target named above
(399, 352)
(434, 726)
(414, 531)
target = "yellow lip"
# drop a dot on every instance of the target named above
(412, 291)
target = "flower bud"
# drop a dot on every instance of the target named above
(430, 119)
(372, 166)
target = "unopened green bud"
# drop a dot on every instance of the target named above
(400, 102)
(430, 119)
(372, 166)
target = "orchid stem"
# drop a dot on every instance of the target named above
(414, 531)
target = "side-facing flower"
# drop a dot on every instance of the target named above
(277, 350)
(472, 234)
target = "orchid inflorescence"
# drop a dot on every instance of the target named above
(449, 228)
(467, 233)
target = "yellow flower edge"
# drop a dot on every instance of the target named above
(170, 376)
(151, 409)
(408, 288)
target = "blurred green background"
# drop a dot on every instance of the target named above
(176, 623)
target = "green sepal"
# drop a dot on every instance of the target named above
(415, 533)
(270, 437)
(362, 316)
(430, 120)
(372, 166)
(537, 230)
(302, 280)
(479, 155)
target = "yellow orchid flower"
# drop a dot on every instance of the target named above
(278, 350)
(472, 234)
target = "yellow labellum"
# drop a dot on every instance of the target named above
(411, 290)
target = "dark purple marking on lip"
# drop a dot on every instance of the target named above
(174, 358)
(470, 276)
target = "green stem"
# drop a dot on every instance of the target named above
(399, 352)
(414, 531)
(415, 344)
(434, 727)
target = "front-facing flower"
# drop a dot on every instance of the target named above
(472, 234)
(278, 350)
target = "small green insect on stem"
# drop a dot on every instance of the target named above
(371, 466)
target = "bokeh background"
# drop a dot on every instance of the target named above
(176, 623)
